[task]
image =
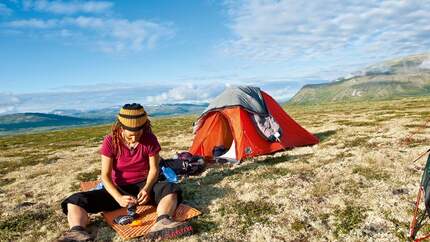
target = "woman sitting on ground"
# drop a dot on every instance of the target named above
(130, 173)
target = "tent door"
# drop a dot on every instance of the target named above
(231, 153)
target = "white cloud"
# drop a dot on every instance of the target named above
(327, 31)
(8, 102)
(4, 10)
(425, 64)
(283, 89)
(104, 34)
(33, 23)
(198, 93)
(7, 109)
(282, 95)
(8, 99)
(96, 32)
(71, 7)
(106, 95)
(189, 93)
(87, 97)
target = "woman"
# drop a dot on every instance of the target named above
(130, 172)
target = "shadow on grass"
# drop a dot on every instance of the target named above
(200, 192)
(322, 136)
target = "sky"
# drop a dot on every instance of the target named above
(94, 54)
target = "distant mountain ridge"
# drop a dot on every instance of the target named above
(406, 76)
(24, 122)
(30, 121)
(110, 113)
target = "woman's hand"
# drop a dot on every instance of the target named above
(125, 200)
(142, 197)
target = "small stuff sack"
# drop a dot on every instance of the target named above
(185, 164)
(170, 174)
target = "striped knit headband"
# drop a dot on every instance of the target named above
(132, 117)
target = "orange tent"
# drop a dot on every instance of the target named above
(233, 124)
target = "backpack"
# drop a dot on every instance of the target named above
(185, 164)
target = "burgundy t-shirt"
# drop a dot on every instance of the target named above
(131, 166)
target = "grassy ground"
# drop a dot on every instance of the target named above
(357, 184)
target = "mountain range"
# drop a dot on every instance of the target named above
(401, 77)
(31, 121)
(24, 122)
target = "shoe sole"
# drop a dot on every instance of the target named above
(183, 230)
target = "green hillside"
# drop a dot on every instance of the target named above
(28, 121)
(58, 119)
(408, 76)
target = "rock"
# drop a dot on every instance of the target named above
(400, 191)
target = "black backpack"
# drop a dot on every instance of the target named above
(185, 164)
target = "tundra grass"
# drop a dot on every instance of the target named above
(357, 184)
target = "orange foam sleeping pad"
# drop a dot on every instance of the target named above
(147, 216)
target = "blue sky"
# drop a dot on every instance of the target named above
(92, 54)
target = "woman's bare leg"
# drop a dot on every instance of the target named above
(76, 216)
(167, 205)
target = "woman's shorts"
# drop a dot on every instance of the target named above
(100, 200)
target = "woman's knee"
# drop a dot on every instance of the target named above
(167, 189)
(172, 196)
(75, 208)
(74, 201)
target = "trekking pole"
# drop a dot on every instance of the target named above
(413, 228)
(421, 156)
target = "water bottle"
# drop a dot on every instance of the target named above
(170, 174)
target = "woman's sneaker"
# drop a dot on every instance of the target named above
(167, 229)
(75, 234)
